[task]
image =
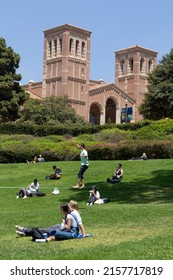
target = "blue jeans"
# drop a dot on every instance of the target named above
(63, 234)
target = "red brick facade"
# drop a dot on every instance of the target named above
(66, 69)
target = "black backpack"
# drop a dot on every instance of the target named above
(106, 200)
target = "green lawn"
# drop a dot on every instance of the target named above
(136, 224)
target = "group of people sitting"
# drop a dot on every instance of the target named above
(33, 188)
(40, 158)
(70, 227)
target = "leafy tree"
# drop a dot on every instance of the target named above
(158, 101)
(51, 110)
(12, 95)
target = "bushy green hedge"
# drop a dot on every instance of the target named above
(129, 149)
(43, 130)
(103, 142)
(65, 151)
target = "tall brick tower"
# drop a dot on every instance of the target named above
(132, 67)
(66, 65)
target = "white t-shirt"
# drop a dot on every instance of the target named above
(77, 216)
(84, 157)
(33, 187)
(97, 194)
(73, 222)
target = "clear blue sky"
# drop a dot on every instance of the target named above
(114, 25)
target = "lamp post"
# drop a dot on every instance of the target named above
(126, 104)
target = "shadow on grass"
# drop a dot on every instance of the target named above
(156, 189)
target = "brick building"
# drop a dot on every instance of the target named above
(66, 71)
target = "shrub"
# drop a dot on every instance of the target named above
(112, 135)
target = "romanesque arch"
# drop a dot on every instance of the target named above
(110, 111)
(95, 112)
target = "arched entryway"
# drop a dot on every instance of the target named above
(110, 111)
(94, 117)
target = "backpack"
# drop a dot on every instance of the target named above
(39, 193)
(106, 200)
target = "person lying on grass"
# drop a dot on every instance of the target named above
(29, 191)
(69, 228)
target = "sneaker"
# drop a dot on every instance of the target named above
(19, 228)
(25, 196)
(88, 204)
(17, 196)
(83, 186)
(21, 233)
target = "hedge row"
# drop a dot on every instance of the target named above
(122, 151)
(44, 130)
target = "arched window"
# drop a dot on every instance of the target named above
(60, 45)
(50, 49)
(82, 89)
(110, 111)
(131, 64)
(122, 65)
(141, 64)
(70, 45)
(77, 47)
(83, 49)
(55, 47)
(82, 71)
(149, 66)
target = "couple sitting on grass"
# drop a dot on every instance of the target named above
(68, 229)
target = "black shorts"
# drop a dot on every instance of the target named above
(82, 170)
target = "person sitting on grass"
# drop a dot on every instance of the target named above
(74, 208)
(118, 175)
(94, 195)
(57, 173)
(40, 158)
(68, 229)
(71, 227)
(34, 160)
(143, 157)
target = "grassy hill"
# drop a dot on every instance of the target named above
(135, 225)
